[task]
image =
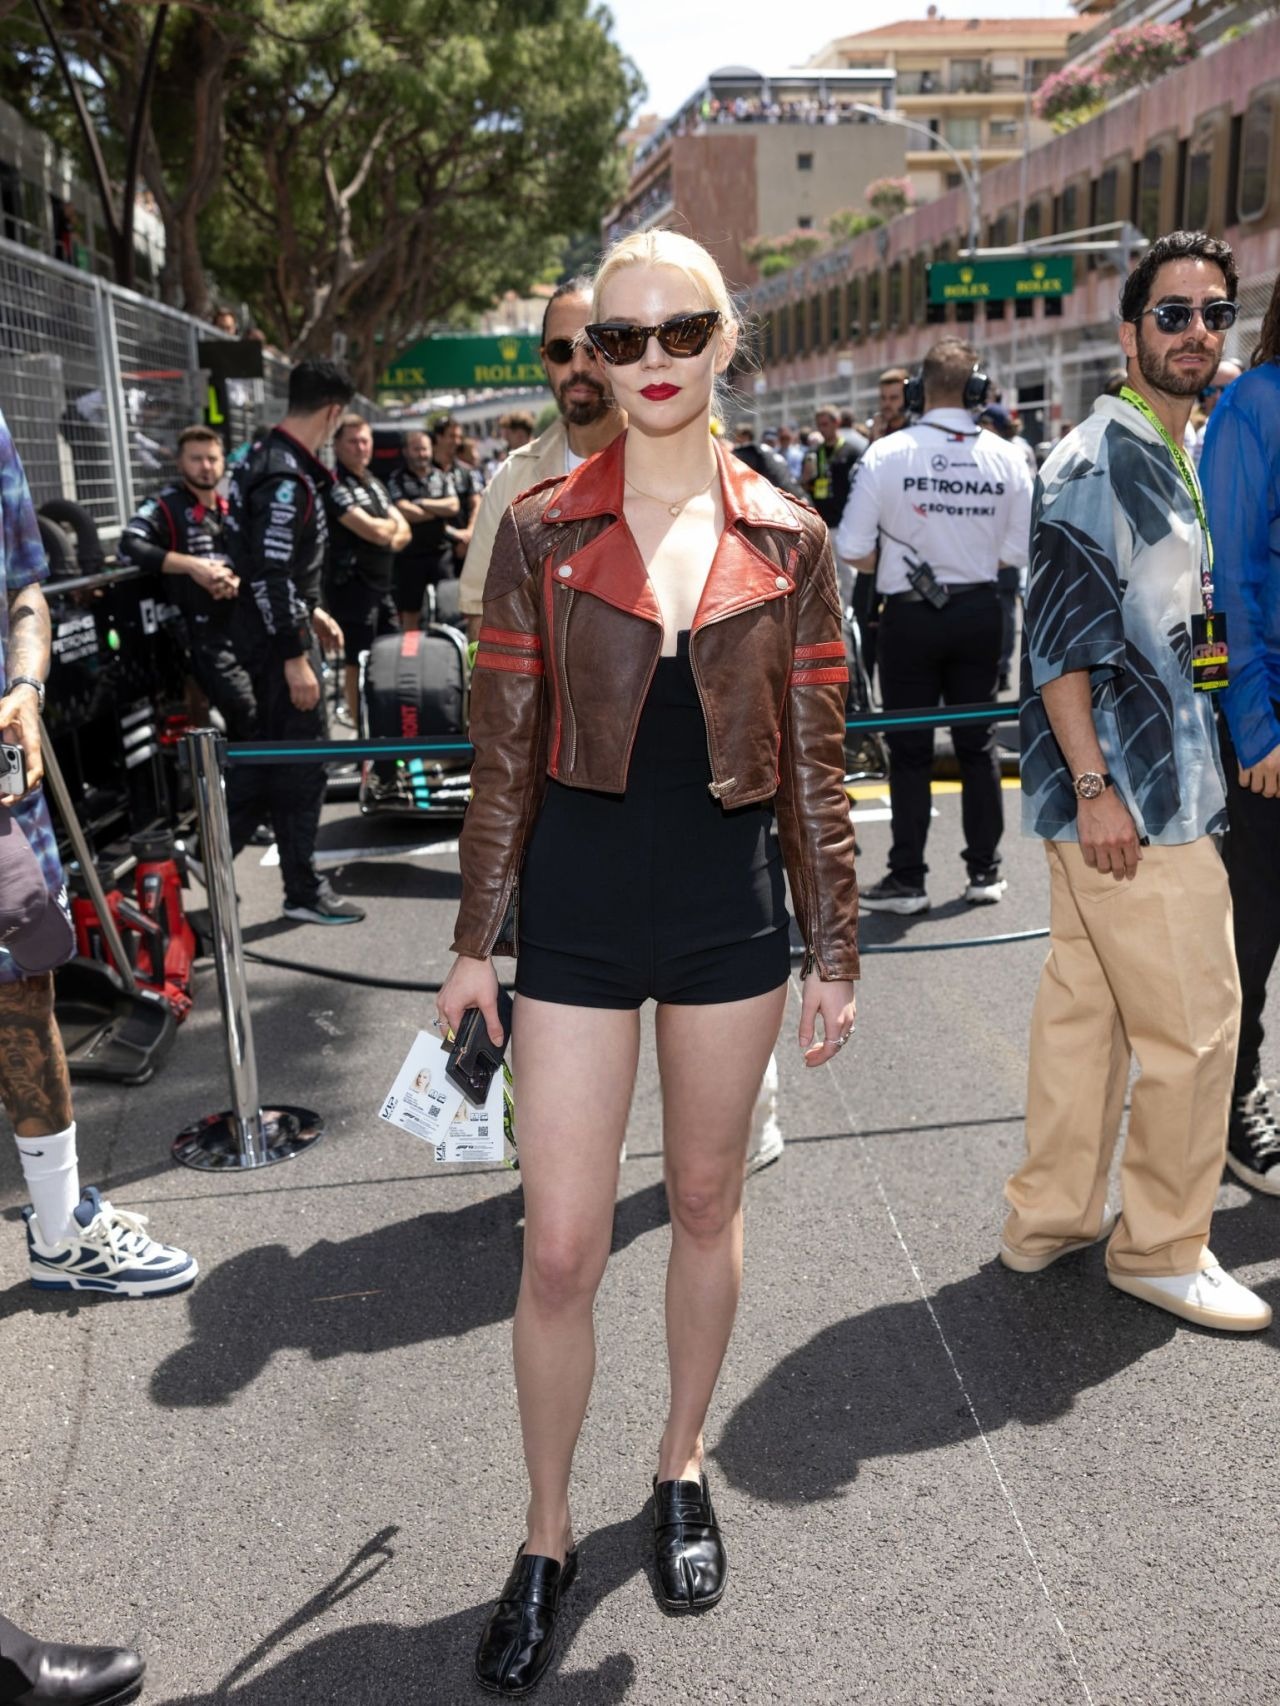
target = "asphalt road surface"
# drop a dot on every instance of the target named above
(939, 1481)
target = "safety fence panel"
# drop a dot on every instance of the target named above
(54, 388)
(160, 385)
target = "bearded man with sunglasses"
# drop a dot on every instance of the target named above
(1122, 655)
(588, 421)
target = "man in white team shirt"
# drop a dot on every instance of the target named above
(936, 510)
(588, 421)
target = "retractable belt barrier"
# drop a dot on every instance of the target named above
(247, 1135)
(343, 751)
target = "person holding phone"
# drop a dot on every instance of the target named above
(660, 679)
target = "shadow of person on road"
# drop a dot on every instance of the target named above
(882, 1384)
(370, 1663)
(436, 1276)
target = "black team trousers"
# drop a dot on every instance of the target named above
(1252, 854)
(288, 795)
(931, 657)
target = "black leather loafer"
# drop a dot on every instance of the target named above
(687, 1547)
(520, 1637)
(52, 1674)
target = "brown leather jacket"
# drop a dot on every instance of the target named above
(571, 639)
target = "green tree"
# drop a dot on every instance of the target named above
(356, 173)
(420, 164)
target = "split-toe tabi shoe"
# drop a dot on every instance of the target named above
(519, 1639)
(688, 1550)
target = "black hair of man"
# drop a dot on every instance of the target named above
(316, 384)
(1176, 246)
(579, 286)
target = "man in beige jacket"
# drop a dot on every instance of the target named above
(588, 421)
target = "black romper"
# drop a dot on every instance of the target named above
(659, 892)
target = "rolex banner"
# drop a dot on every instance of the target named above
(464, 364)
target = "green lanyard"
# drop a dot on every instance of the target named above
(1190, 481)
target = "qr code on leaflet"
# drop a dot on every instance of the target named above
(484, 1131)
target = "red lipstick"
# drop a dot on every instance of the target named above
(659, 393)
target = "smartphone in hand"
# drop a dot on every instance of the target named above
(473, 1059)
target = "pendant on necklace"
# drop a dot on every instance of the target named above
(674, 509)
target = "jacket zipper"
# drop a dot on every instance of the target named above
(568, 696)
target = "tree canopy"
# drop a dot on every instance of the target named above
(363, 171)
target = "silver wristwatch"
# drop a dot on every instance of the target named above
(29, 681)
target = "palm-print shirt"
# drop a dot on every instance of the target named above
(22, 563)
(1115, 578)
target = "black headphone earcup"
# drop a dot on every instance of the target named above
(976, 387)
(913, 394)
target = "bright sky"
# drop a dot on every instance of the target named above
(677, 42)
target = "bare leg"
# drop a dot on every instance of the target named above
(352, 683)
(34, 1085)
(711, 1060)
(410, 619)
(576, 1069)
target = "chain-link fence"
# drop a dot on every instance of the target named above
(96, 382)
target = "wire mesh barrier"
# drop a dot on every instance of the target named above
(96, 382)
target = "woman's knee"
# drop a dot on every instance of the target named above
(705, 1205)
(562, 1269)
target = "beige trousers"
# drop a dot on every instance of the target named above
(1146, 966)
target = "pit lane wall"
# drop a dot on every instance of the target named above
(1199, 148)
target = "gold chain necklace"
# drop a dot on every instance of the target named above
(672, 509)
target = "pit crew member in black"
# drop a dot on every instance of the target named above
(178, 531)
(428, 501)
(947, 505)
(277, 537)
(367, 533)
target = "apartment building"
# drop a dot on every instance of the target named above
(751, 154)
(963, 82)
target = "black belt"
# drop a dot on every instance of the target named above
(955, 590)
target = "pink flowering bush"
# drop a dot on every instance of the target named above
(890, 196)
(1067, 96)
(1145, 52)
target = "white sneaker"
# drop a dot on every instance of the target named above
(986, 889)
(107, 1251)
(1210, 1298)
(1037, 1264)
(765, 1146)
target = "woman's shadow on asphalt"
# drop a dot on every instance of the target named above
(436, 1276)
(368, 1663)
(881, 1383)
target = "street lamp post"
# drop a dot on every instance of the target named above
(968, 176)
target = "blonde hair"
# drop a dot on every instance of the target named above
(672, 249)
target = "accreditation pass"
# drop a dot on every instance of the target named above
(424, 1103)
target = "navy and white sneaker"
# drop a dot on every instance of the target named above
(107, 1251)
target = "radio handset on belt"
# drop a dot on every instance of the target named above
(926, 583)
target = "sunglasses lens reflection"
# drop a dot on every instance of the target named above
(560, 351)
(684, 336)
(1175, 317)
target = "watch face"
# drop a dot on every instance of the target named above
(1090, 785)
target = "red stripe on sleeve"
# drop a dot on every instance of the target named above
(509, 637)
(820, 677)
(827, 649)
(515, 666)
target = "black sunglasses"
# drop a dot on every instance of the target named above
(560, 351)
(1174, 317)
(683, 336)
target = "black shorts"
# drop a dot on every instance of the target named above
(364, 613)
(659, 893)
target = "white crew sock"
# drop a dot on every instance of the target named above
(52, 1172)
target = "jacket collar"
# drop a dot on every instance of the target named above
(596, 488)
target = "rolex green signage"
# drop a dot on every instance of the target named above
(465, 364)
(997, 281)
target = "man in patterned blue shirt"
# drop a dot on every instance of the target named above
(1122, 781)
(76, 1241)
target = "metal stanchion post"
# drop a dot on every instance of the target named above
(247, 1135)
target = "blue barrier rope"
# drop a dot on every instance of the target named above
(344, 751)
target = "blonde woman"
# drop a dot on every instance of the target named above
(660, 679)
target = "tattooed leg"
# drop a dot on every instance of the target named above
(34, 1085)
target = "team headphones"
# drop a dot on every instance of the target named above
(976, 387)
